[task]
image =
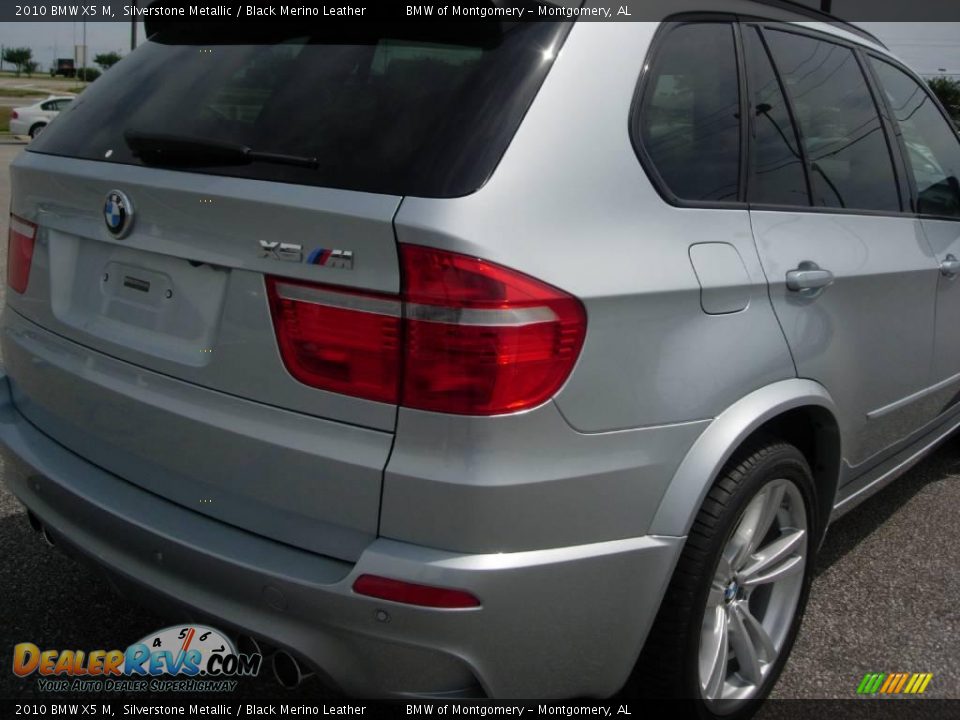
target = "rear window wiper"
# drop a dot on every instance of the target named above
(182, 151)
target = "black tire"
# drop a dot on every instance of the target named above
(668, 664)
(36, 130)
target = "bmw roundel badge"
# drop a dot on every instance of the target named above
(118, 213)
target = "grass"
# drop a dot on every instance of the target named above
(20, 92)
(5, 119)
(23, 76)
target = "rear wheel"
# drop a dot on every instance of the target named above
(734, 605)
(36, 130)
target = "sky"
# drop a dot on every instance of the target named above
(925, 46)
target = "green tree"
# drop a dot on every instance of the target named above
(30, 67)
(949, 93)
(107, 60)
(88, 74)
(18, 57)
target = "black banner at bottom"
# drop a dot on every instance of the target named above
(874, 709)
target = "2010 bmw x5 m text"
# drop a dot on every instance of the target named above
(557, 345)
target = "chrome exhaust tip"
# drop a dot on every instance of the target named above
(34, 522)
(249, 645)
(288, 671)
(47, 537)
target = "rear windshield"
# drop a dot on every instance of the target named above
(381, 110)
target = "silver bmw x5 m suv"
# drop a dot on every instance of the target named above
(486, 359)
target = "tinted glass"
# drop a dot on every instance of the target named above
(933, 149)
(776, 164)
(418, 109)
(849, 160)
(690, 122)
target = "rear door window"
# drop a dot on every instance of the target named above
(776, 164)
(932, 145)
(849, 161)
(419, 109)
(689, 124)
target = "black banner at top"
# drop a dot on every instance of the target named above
(504, 10)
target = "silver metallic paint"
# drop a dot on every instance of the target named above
(570, 515)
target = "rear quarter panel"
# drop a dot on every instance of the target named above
(571, 204)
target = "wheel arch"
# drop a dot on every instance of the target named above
(797, 411)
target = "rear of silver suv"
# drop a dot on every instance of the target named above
(430, 358)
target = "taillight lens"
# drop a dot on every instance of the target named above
(481, 339)
(412, 593)
(338, 340)
(20, 241)
(14, 115)
(477, 338)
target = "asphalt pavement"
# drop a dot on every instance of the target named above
(886, 596)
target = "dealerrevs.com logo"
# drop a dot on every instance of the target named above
(180, 658)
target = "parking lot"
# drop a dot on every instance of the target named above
(885, 598)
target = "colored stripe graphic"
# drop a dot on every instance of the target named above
(891, 680)
(903, 681)
(870, 683)
(894, 683)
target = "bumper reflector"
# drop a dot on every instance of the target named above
(412, 593)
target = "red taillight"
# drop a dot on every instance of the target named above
(477, 338)
(413, 594)
(20, 253)
(14, 116)
(337, 340)
(481, 339)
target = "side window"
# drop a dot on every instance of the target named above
(776, 164)
(849, 160)
(933, 148)
(690, 115)
(48, 106)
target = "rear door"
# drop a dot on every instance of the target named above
(931, 145)
(851, 276)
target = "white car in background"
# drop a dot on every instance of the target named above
(31, 120)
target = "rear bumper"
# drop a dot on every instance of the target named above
(19, 127)
(560, 622)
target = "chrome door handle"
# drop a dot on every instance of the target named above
(808, 277)
(950, 266)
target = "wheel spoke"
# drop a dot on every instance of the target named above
(742, 542)
(715, 594)
(774, 554)
(717, 651)
(756, 522)
(744, 650)
(758, 634)
(787, 568)
(771, 506)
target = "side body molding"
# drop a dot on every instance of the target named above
(713, 448)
